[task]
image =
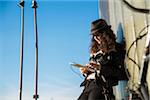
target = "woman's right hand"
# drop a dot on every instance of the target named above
(84, 70)
(88, 68)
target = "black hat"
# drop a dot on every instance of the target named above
(99, 25)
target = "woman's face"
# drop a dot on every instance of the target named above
(97, 39)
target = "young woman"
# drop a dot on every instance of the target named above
(103, 70)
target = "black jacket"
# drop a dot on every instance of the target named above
(112, 65)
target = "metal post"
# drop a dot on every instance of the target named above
(34, 6)
(21, 4)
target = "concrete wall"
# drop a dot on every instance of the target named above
(119, 15)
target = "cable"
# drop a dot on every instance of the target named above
(147, 11)
(135, 41)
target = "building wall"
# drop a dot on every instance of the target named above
(131, 22)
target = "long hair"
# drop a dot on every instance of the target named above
(107, 38)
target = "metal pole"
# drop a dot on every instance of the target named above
(34, 6)
(21, 4)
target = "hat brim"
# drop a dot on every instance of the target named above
(100, 29)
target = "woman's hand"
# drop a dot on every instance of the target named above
(94, 65)
(88, 68)
(84, 70)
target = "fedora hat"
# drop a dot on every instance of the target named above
(99, 25)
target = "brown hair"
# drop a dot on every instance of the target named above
(107, 38)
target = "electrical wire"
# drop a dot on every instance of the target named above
(135, 41)
(140, 10)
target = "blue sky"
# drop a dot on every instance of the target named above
(63, 29)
